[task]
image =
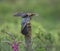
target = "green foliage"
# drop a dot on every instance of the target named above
(44, 41)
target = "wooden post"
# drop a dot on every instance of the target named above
(28, 41)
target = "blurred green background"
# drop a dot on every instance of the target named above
(47, 23)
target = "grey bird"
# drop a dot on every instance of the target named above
(26, 17)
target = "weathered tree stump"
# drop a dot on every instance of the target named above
(28, 41)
